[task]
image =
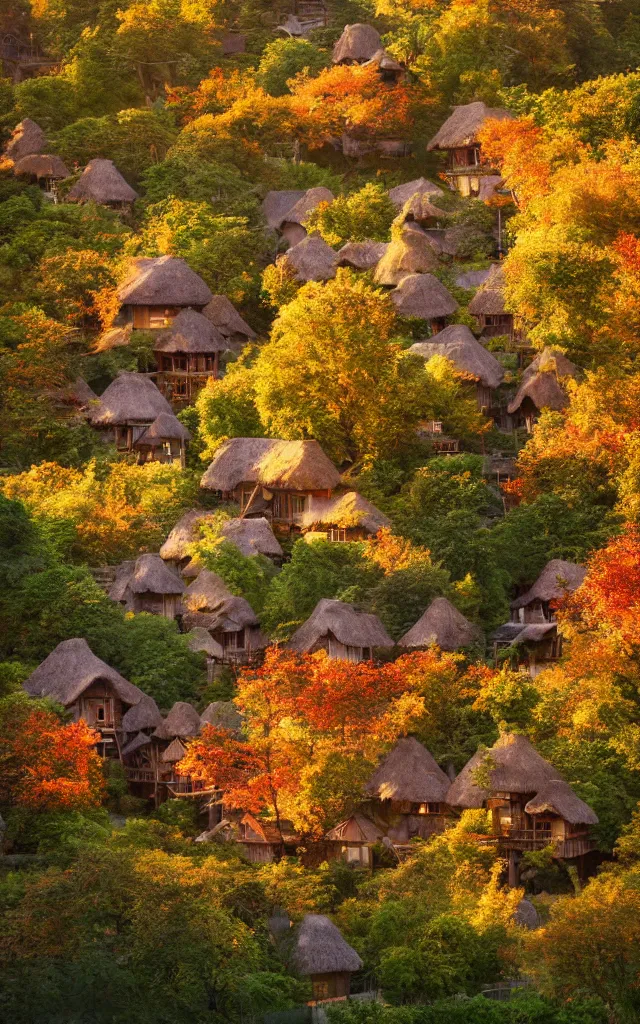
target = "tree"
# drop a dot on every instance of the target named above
(226, 407)
(357, 217)
(283, 59)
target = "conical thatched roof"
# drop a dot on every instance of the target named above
(420, 209)
(411, 253)
(41, 165)
(551, 361)
(285, 465)
(101, 182)
(385, 61)
(424, 296)
(223, 714)
(26, 138)
(543, 390)
(356, 829)
(409, 772)
(70, 668)
(464, 124)
(420, 186)
(298, 213)
(151, 575)
(174, 752)
(190, 332)
(207, 592)
(252, 537)
(489, 299)
(349, 626)
(458, 344)
(141, 740)
(201, 641)
(512, 765)
(557, 579)
(361, 255)
(183, 534)
(357, 44)
(183, 721)
(344, 510)
(321, 949)
(143, 715)
(165, 427)
(276, 204)
(558, 798)
(236, 461)
(443, 625)
(115, 337)
(311, 259)
(163, 281)
(225, 318)
(130, 398)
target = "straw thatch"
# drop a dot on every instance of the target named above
(361, 255)
(441, 624)
(101, 182)
(321, 949)
(344, 510)
(115, 337)
(558, 798)
(551, 360)
(183, 534)
(488, 186)
(72, 667)
(463, 126)
(387, 64)
(556, 580)
(150, 575)
(357, 44)
(489, 299)
(166, 427)
(356, 829)
(350, 627)
(223, 714)
(419, 186)
(174, 752)
(252, 537)
(207, 592)
(141, 740)
(458, 344)
(143, 715)
(424, 296)
(411, 253)
(190, 332)
(201, 641)
(225, 318)
(276, 205)
(282, 465)
(420, 210)
(311, 259)
(236, 461)
(163, 281)
(298, 213)
(409, 773)
(26, 138)
(472, 278)
(130, 398)
(192, 568)
(544, 392)
(41, 165)
(182, 722)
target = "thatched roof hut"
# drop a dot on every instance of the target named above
(489, 299)
(165, 427)
(279, 465)
(419, 186)
(311, 259)
(71, 667)
(190, 332)
(276, 205)
(350, 627)
(115, 337)
(298, 213)
(458, 344)
(356, 829)
(321, 949)
(252, 537)
(557, 797)
(182, 722)
(183, 534)
(424, 296)
(174, 752)
(130, 398)
(441, 624)
(225, 318)
(147, 575)
(26, 138)
(542, 390)
(223, 714)
(357, 44)
(210, 605)
(411, 253)
(81, 394)
(163, 281)
(101, 182)
(557, 579)
(361, 255)
(236, 461)
(201, 641)
(41, 165)
(143, 715)
(551, 360)
(463, 126)
(207, 592)
(409, 773)
(344, 510)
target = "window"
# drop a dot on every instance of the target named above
(353, 855)
(337, 534)
(100, 713)
(233, 641)
(297, 504)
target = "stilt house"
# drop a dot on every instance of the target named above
(458, 137)
(187, 353)
(157, 289)
(408, 793)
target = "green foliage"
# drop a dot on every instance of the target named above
(283, 59)
(226, 407)
(247, 576)
(357, 217)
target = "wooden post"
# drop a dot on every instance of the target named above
(513, 870)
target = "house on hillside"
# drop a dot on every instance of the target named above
(126, 409)
(230, 620)
(361, 255)
(26, 139)
(441, 624)
(424, 296)
(541, 388)
(352, 841)
(148, 585)
(187, 353)
(342, 518)
(292, 224)
(263, 842)
(531, 804)
(156, 289)
(457, 343)
(342, 631)
(141, 750)
(310, 260)
(102, 183)
(225, 318)
(411, 252)
(321, 954)
(488, 306)
(181, 725)
(164, 441)
(408, 793)
(458, 137)
(45, 170)
(358, 44)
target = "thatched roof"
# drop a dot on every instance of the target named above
(190, 332)
(70, 668)
(443, 625)
(543, 390)
(321, 949)
(409, 772)
(130, 398)
(26, 138)
(419, 186)
(252, 537)
(283, 465)
(420, 209)
(556, 580)
(101, 182)
(230, 616)
(81, 393)
(223, 714)
(411, 253)
(458, 344)
(298, 213)
(558, 798)
(41, 165)
(489, 299)
(424, 296)
(236, 461)
(311, 259)
(357, 44)
(464, 125)
(163, 281)
(166, 427)
(150, 575)
(201, 641)
(183, 534)
(143, 715)
(384, 61)
(183, 721)
(361, 255)
(115, 337)
(225, 318)
(349, 626)
(276, 204)
(174, 752)
(551, 361)
(344, 510)
(207, 592)
(356, 829)
(141, 740)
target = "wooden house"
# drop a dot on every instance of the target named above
(292, 224)
(141, 750)
(88, 688)
(126, 409)
(102, 183)
(187, 353)
(488, 306)
(321, 954)
(342, 518)
(230, 620)
(309, 260)
(157, 289)
(263, 842)
(410, 252)
(358, 44)
(352, 841)
(424, 296)
(342, 631)
(180, 725)
(44, 169)
(541, 388)
(458, 137)
(148, 585)
(27, 139)
(228, 322)
(361, 255)
(441, 624)
(408, 793)
(418, 186)
(557, 579)
(532, 806)
(531, 648)
(164, 441)
(476, 363)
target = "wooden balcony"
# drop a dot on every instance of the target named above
(536, 839)
(140, 775)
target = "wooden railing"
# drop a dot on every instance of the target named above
(140, 775)
(536, 839)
